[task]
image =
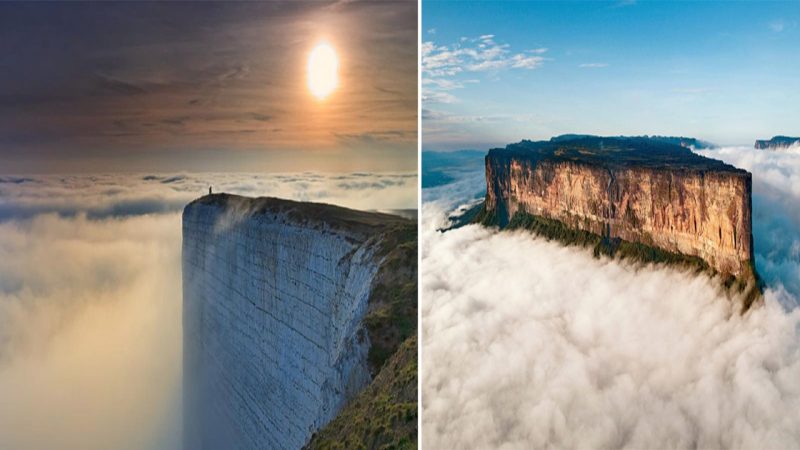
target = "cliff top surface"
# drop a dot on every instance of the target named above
(645, 152)
(783, 138)
(336, 217)
(683, 141)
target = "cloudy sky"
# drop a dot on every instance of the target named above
(494, 75)
(205, 86)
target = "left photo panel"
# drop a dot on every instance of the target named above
(208, 225)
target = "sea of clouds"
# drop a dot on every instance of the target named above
(529, 344)
(90, 298)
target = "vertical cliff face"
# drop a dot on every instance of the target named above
(637, 190)
(275, 293)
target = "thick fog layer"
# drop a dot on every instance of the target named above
(528, 344)
(90, 298)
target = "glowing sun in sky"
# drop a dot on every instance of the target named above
(323, 68)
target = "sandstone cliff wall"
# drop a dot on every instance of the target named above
(273, 340)
(690, 211)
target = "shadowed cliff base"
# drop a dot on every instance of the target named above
(749, 287)
(340, 280)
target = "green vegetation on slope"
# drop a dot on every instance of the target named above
(392, 312)
(384, 415)
(602, 245)
(486, 217)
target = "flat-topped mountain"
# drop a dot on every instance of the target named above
(777, 142)
(292, 311)
(626, 196)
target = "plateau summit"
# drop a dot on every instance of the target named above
(648, 198)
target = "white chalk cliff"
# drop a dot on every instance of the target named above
(274, 296)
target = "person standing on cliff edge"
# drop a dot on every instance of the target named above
(209, 190)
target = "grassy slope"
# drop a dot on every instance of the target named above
(384, 415)
(392, 313)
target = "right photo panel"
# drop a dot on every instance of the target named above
(610, 225)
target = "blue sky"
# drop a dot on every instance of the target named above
(495, 73)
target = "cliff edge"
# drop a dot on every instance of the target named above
(628, 196)
(286, 316)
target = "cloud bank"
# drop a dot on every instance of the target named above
(90, 298)
(90, 333)
(528, 344)
(101, 196)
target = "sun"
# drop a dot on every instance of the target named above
(323, 68)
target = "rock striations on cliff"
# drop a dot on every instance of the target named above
(638, 196)
(777, 143)
(285, 319)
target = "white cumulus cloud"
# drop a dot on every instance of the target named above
(440, 63)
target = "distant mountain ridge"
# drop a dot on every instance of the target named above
(777, 143)
(438, 167)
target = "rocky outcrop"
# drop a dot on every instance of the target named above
(777, 143)
(634, 189)
(275, 299)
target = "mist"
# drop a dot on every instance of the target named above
(90, 298)
(530, 344)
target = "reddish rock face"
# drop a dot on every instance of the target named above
(695, 209)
